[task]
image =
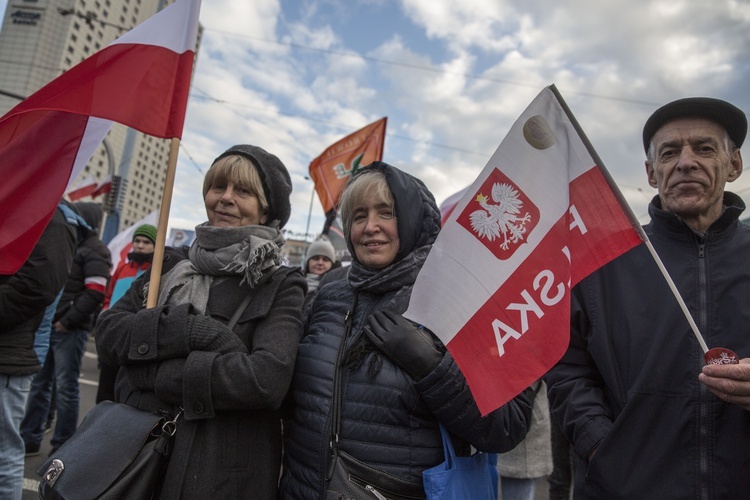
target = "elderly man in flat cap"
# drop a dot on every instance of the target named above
(647, 419)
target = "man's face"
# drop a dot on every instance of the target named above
(141, 244)
(690, 167)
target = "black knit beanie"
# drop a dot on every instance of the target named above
(277, 184)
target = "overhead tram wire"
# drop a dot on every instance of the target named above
(340, 126)
(428, 69)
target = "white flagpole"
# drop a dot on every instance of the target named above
(633, 219)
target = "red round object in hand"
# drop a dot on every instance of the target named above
(721, 356)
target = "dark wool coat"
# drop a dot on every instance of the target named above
(628, 383)
(387, 420)
(26, 294)
(228, 443)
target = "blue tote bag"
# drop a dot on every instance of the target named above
(473, 477)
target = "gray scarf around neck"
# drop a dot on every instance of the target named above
(246, 251)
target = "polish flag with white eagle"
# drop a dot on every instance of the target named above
(141, 80)
(541, 216)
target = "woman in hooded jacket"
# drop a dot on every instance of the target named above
(182, 356)
(397, 382)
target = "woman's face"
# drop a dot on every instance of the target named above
(231, 205)
(374, 233)
(319, 264)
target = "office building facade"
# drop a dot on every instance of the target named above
(41, 39)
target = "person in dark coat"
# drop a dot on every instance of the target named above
(646, 417)
(137, 262)
(320, 259)
(229, 383)
(24, 296)
(398, 382)
(81, 300)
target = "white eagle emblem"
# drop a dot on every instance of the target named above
(502, 219)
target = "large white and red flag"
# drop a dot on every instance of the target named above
(541, 216)
(141, 80)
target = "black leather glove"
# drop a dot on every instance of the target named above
(207, 334)
(411, 348)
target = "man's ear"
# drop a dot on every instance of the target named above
(651, 175)
(735, 166)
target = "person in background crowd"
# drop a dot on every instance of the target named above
(137, 262)
(321, 258)
(222, 339)
(520, 467)
(80, 302)
(398, 380)
(24, 296)
(646, 417)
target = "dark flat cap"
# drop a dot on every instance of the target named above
(728, 116)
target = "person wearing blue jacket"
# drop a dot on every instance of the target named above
(397, 380)
(646, 418)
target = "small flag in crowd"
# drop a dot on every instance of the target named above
(89, 187)
(141, 80)
(85, 188)
(331, 170)
(541, 216)
(103, 187)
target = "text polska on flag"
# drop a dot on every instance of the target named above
(541, 216)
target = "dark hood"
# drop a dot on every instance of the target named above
(92, 213)
(417, 213)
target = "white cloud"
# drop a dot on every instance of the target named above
(295, 77)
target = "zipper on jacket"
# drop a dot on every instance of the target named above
(703, 403)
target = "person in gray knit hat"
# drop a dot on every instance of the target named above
(224, 333)
(320, 258)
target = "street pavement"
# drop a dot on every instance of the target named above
(89, 380)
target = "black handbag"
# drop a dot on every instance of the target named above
(349, 478)
(117, 452)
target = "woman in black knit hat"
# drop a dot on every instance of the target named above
(222, 339)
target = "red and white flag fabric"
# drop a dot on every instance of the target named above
(103, 187)
(141, 80)
(331, 170)
(89, 187)
(541, 216)
(86, 188)
(447, 207)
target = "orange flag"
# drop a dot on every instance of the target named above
(335, 165)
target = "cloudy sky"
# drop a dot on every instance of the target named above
(294, 76)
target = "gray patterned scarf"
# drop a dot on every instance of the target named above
(245, 251)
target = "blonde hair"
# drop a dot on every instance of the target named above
(369, 182)
(238, 170)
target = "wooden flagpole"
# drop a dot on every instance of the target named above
(161, 233)
(631, 216)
